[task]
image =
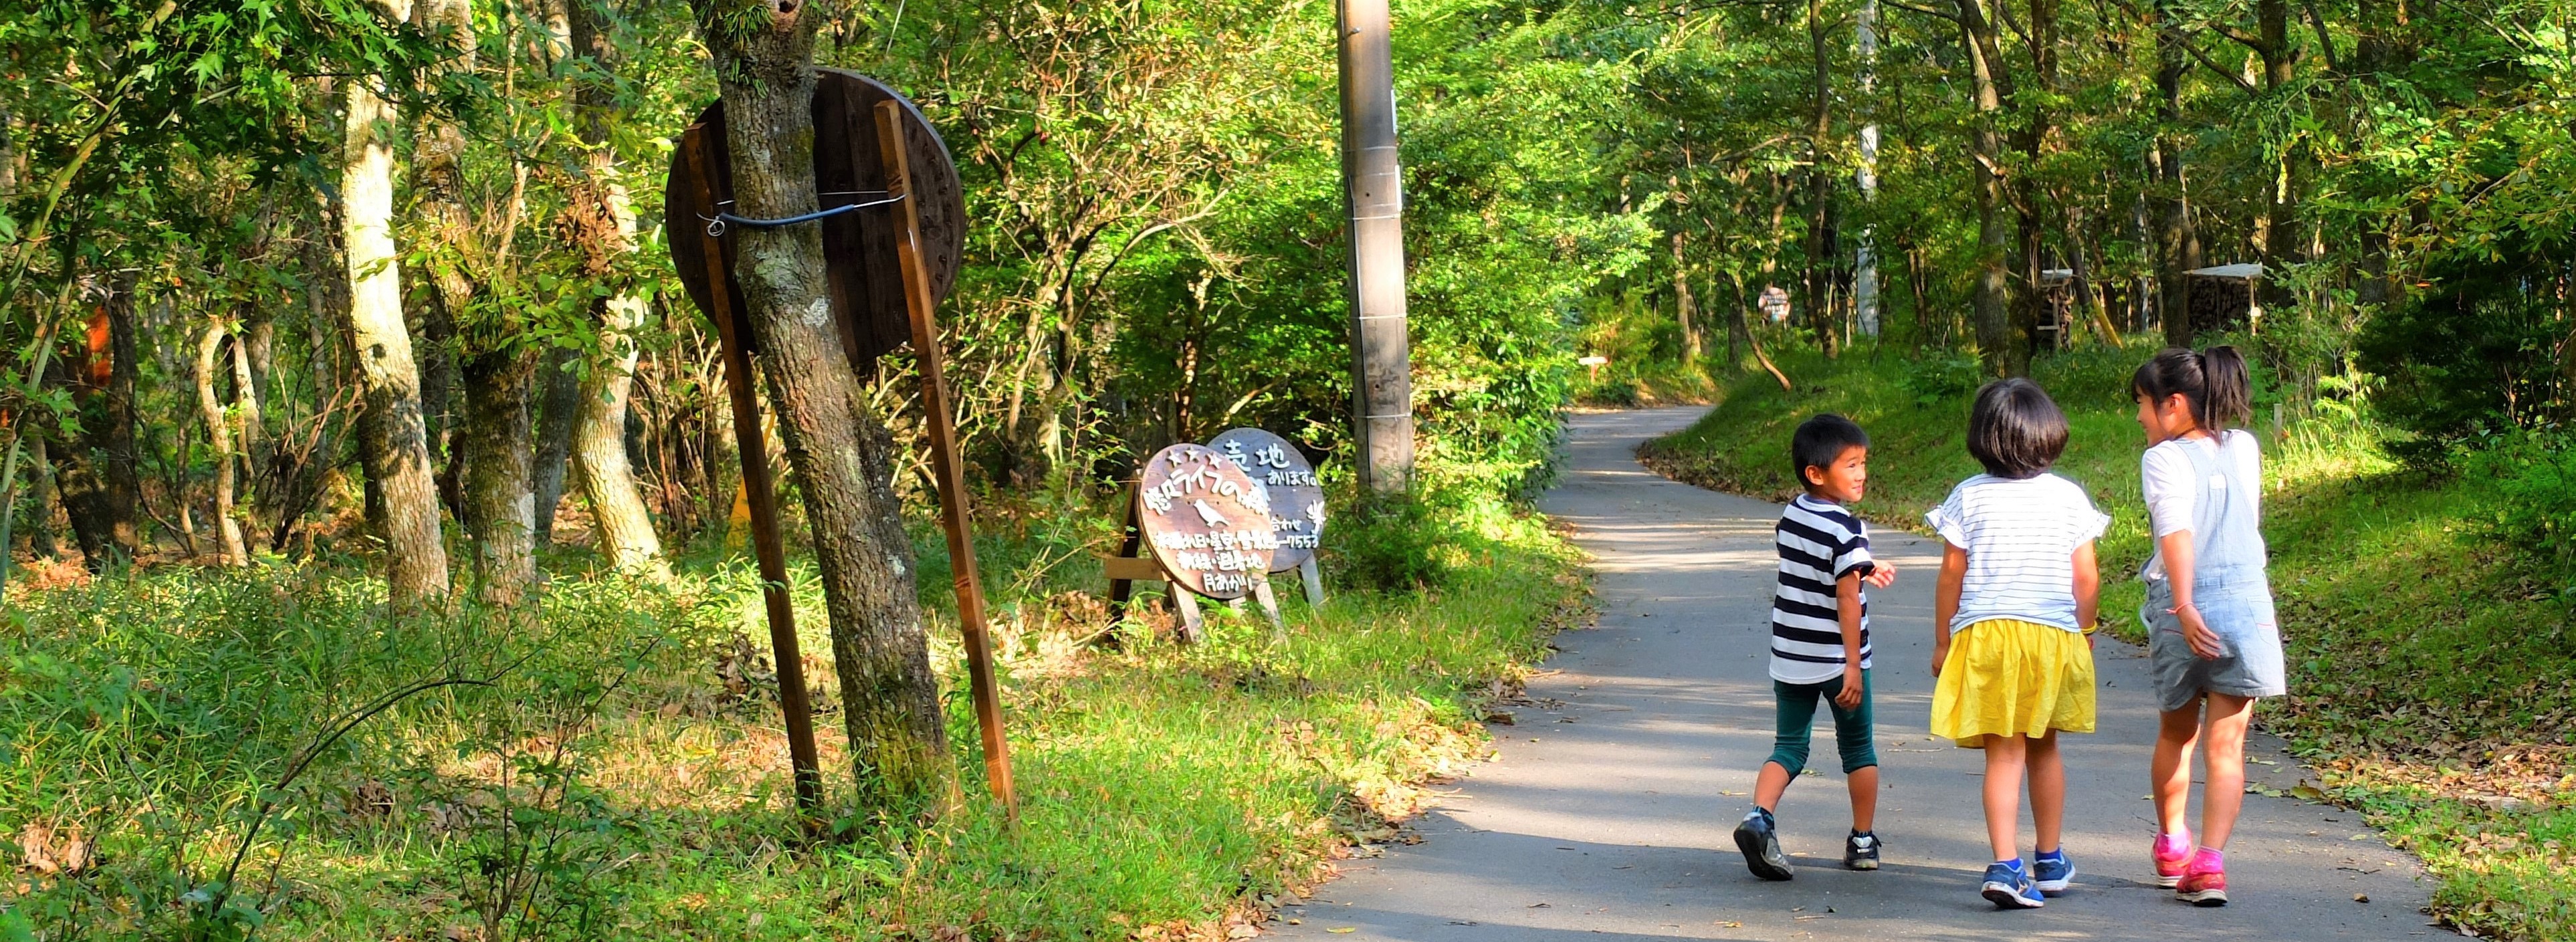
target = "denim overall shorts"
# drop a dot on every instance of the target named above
(2231, 591)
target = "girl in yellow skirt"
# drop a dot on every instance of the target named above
(2017, 593)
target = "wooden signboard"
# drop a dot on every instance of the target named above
(892, 224)
(1296, 499)
(1202, 525)
(1207, 521)
(866, 280)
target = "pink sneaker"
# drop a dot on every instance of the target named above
(2172, 852)
(2204, 881)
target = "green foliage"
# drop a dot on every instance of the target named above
(2482, 354)
(1934, 379)
(615, 772)
(1398, 542)
(2533, 476)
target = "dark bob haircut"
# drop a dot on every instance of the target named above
(1820, 440)
(2015, 430)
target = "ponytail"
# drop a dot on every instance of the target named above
(2214, 382)
(2227, 399)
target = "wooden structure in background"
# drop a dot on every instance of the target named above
(2223, 297)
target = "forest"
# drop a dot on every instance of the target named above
(374, 556)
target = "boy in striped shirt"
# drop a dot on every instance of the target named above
(1820, 641)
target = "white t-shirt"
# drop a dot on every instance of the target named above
(2021, 537)
(2173, 497)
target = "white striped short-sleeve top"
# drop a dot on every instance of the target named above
(2021, 537)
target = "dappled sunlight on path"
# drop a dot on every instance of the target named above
(1606, 814)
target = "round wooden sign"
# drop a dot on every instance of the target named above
(858, 246)
(1296, 499)
(1208, 522)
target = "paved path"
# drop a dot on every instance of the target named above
(1608, 811)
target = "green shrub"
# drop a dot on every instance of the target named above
(1940, 376)
(2533, 479)
(1392, 543)
(2479, 352)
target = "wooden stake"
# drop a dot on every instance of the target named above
(792, 693)
(947, 467)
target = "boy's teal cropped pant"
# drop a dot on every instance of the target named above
(1853, 735)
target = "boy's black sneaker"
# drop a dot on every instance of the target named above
(1759, 839)
(1860, 851)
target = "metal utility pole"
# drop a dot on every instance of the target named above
(1373, 186)
(1865, 278)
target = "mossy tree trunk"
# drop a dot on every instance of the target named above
(393, 436)
(607, 225)
(763, 59)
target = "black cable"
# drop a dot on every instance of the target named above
(717, 223)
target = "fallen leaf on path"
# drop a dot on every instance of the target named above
(1345, 930)
(1729, 924)
(2361, 897)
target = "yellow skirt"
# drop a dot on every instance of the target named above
(2007, 677)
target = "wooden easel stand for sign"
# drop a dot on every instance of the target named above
(946, 466)
(793, 698)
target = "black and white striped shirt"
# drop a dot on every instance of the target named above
(1819, 543)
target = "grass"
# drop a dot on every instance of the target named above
(2433, 674)
(622, 775)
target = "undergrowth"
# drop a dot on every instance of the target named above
(2433, 674)
(610, 766)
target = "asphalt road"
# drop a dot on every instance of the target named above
(1607, 813)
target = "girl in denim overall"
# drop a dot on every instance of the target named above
(2213, 639)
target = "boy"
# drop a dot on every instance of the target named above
(1820, 640)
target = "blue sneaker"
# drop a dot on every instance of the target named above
(2009, 887)
(2052, 873)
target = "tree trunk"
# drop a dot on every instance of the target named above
(1989, 298)
(1742, 332)
(558, 409)
(2284, 241)
(2036, 139)
(219, 436)
(392, 436)
(843, 457)
(2088, 302)
(40, 520)
(497, 455)
(438, 184)
(2177, 240)
(2381, 44)
(1820, 189)
(599, 454)
(96, 471)
(1682, 307)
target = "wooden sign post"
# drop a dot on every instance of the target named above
(1296, 499)
(946, 465)
(794, 697)
(1201, 525)
(893, 224)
